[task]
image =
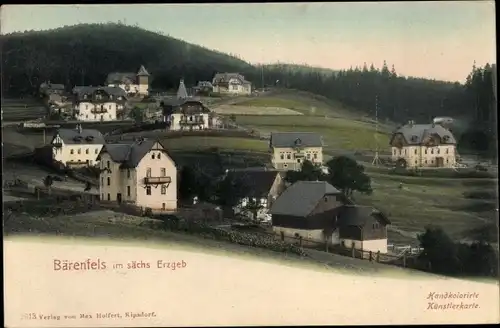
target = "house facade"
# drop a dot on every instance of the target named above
(290, 149)
(97, 104)
(260, 186)
(140, 173)
(423, 146)
(77, 147)
(361, 227)
(46, 89)
(186, 114)
(134, 84)
(231, 84)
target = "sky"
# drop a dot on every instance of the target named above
(437, 40)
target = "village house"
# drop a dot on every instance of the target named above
(76, 147)
(46, 89)
(361, 227)
(140, 173)
(319, 213)
(231, 84)
(134, 84)
(423, 146)
(260, 188)
(98, 103)
(290, 149)
(305, 209)
(204, 87)
(185, 113)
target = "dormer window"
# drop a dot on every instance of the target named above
(298, 142)
(414, 138)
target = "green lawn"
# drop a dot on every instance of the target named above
(337, 133)
(223, 143)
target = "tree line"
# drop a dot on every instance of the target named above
(85, 54)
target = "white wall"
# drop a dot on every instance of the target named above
(175, 122)
(241, 89)
(280, 160)
(421, 156)
(157, 199)
(261, 213)
(367, 245)
(85, 112)
(71, 152)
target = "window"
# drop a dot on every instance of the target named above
(438, 150)
(158, 156)
(102, 181)
(326, 199)
(148, 172)
(110, 115)
(87, 151)
(432, 151)
(96, 151)
(394, 151)
(109, 181)
(86, 116)
(282, 156)
(404, 151)
(315, 156)
(128, 191)
(308, 156)
(163, 189)
(79, 151)
(163, 172)
(109, 197)
(446, 160)
(153, 156)
(400, 152)
(285, 166)
(447, 150)
(102, 196)
(128, 173)
(426, 151)
(415, 151)
(108, 164)
(425, 161)
(416, 162)
(148, 190)
(288, 156)
(298, 160)
(72, 151)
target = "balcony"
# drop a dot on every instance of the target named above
(99, 110)
(197, 120)
(156, 180)
(57, 144)
(299, 155)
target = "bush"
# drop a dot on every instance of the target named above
(442, 255)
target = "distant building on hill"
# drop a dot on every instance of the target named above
(290, 149)
(140, 173)
(231, 83)
(132, 83)
(98, 103)
(423, 145)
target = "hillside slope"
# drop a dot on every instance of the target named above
(86, 53)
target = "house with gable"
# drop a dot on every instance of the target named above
(290, 149)
(131, 83)
(98, 103)
(231, 84)
(76, 147)
(140, 173)
(260, 187)
(423, 146)
(318, 213)
(186, 113)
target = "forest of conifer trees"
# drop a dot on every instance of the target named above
(85, 54)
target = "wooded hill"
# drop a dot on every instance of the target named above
(85, 54)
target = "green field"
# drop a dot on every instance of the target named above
(337, 133)
(223, 143)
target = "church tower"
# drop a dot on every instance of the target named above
(182, 92)
(143, 81)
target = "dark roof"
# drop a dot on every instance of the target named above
(302, 197)
(176, 102)
(88, 136)
(414, 134)
(359, 215)
(142, 71)
(259, 183)
(128, 153)
(294, 139)
(52, 86)
(115, 91)
(225, 77)
(118, 77)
